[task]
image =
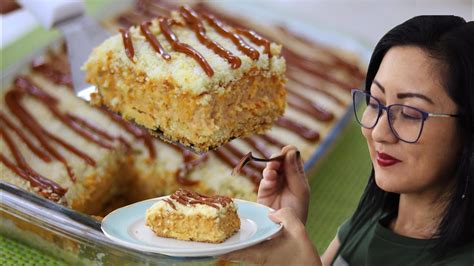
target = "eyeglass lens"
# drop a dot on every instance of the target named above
(405, 122)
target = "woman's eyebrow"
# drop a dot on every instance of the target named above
(379, 85)
(417, 95)
(404, 95)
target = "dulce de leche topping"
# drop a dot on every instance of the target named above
(189, 198)
(195, 21)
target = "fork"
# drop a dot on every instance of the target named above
(249, 157)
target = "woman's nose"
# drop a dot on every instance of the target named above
(382, 132)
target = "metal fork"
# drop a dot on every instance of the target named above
(249, 157)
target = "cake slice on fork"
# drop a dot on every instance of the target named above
(191, 79)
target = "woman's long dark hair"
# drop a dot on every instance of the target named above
(450, 40)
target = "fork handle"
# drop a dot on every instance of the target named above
(50, 13)
(276, 158)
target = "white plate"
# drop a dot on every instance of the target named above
(127, 227)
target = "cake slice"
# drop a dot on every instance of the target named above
(190, 79)
(187, 215)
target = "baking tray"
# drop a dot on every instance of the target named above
(77, 238)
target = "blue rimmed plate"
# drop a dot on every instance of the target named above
(127, 227)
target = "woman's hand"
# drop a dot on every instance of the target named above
(291, 247)
(284, 184)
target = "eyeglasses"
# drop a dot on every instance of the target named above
(406, 122)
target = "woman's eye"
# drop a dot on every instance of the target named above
(373, 104)
(410, 113)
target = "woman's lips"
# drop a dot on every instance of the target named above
(386, 160)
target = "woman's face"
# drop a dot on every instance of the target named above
(407, 75)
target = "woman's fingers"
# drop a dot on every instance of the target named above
(295, 176)
(269, 174)
(268, 193)
(269, 183)
(287, 148)
(271, 180)
(273, 165)
(290, 221)
(284, 183)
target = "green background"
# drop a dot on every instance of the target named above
(336, 183)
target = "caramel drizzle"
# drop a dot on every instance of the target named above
(183, 47)
(190, 162)
(313, 109)
(153, 40)
(234, 37)
(15, 152)
(239, 27)
(42, 155)
(312, 87)
(144, 10)
(47, 188)
(232, 21)
(255, 38)
(273, 141)
(125, 21)
(337, 61)
(187, 197)
(238, 154)
(231, 161)
(12, 99)
(154, 7)
(192, 18)
(170, 203)
(55, 74)
(295, 59)
(312, 67)
(299, 129)
(24, 87)
(258, 145)
(137, 132)
(127, 42)
(231, 156)
(51, 103)
(98, 131)
(72, 123)
(131, 18)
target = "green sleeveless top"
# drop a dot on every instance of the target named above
(374, 244)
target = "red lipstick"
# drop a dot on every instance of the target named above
(386, 160)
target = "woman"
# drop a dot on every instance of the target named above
(417, 117)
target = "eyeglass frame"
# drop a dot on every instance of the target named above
(382, 107)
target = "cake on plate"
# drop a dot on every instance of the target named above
(191, 79)
(187, 215)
